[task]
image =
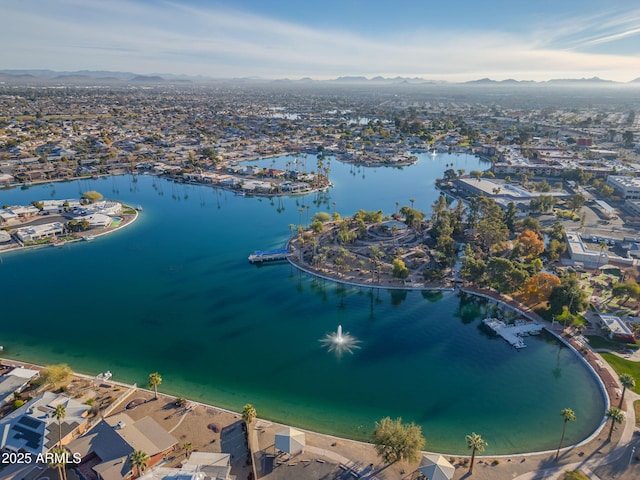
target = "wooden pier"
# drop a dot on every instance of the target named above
(513, 333)
(260, 256)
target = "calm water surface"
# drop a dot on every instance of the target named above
(174, 293)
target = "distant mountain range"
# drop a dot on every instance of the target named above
(107, 77)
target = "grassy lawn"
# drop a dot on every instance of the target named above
(622, 365)
(598, 342)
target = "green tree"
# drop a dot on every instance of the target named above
(476, 444)
(627, 290)
(92, 196)
(154, 380)
(627, 139)
(396, 441)
(477, 174)
(53, 374)
(59, 413)
(505, 275)
(510, 216)
(400, 270)
(568, 294)
(321, 217)
(576, 202)
(188, 448)
(568, 416)
(139, 461)
(627, 381)
(58, 461)
(249, 414)
(473, 267)
(210, 153)
(616, 416)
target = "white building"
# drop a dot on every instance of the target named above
(627, 187)
(15, 381)
(200, 466)
(17, 211)
(616, 328)
(104, 207)
(59, 206)
(37, 232)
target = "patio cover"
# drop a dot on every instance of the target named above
(290, 441)
(436, 467)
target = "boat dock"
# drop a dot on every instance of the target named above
(513, 333)
(268, 255)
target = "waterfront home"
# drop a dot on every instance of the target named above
(199, 466)
(96, 220)
(104, 207)
(33, 428)
(17, 212)
(5, 179)
(59, 206)
(38, 232)
(15, 381)
(105, 449)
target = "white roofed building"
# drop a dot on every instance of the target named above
(37, 232)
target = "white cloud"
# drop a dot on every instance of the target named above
(174, 38)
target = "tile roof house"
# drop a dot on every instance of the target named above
(106, 448)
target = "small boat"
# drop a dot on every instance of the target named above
(88, 238)
(139, 208)
(58, 243)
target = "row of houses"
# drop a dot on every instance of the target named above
(100, 449)
(245, 184)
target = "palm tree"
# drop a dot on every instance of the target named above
(627, 381)
(616, 416)
(154, 380)
(249, 414)
(569, 416)
(139, 460)
(58, 461)
(476, 444)
(59, 413)
(187, 448)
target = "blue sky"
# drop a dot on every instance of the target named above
(453, 40)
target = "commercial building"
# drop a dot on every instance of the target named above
(627, 187)
(616, 328)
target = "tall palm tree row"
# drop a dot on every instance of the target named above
(569, 416)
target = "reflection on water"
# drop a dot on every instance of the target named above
(180, 298)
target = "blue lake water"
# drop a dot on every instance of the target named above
(174, 293)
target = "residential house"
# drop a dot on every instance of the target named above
(15, 380)
(106, 448)
(33, 428)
